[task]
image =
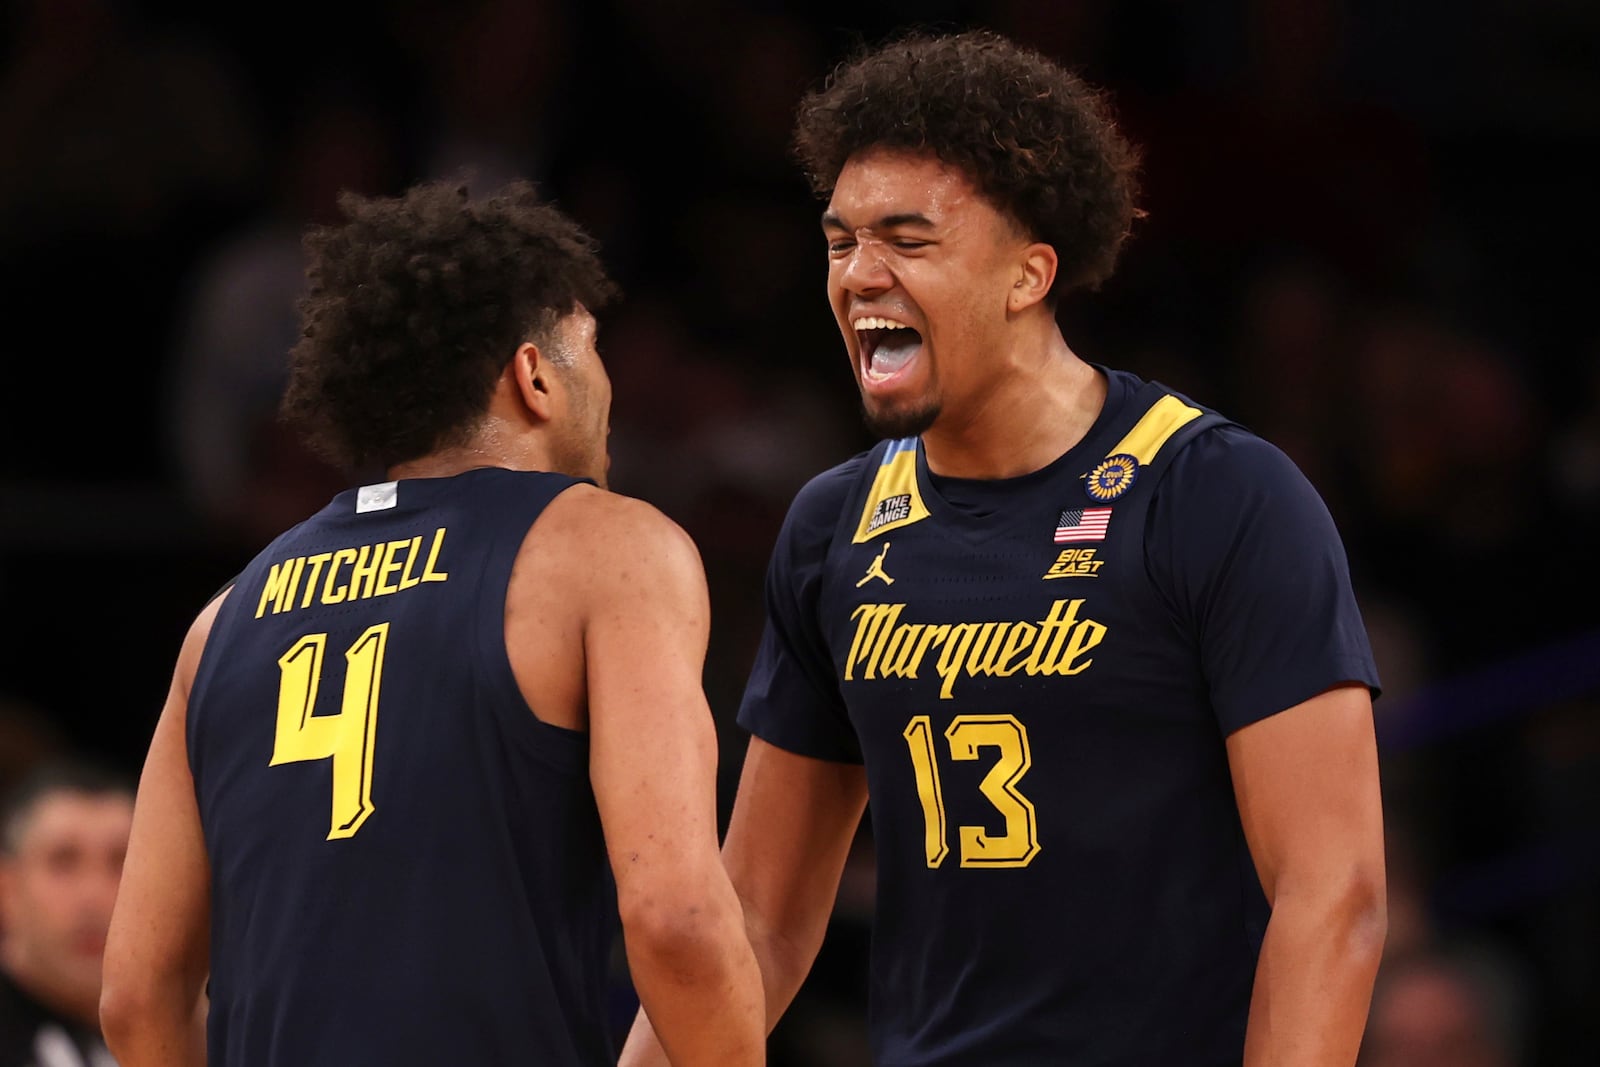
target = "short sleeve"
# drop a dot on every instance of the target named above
(1256, 568)
(792, 698)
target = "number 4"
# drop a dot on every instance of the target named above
(347, 737)
(966, 735)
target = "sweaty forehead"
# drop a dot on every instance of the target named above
(885, 186)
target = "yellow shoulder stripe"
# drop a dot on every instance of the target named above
(894, 499)
(1166, 417)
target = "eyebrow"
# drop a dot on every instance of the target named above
(887, 222)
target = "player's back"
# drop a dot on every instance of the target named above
(407, 866)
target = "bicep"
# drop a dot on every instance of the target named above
(1306, 781)
(653, 752)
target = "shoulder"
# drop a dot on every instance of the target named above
(1230, 459)
(600, 538)
(604, 521)
(815, 511)
(195, 640)
(1230, 493)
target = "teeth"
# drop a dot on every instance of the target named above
(873, 322)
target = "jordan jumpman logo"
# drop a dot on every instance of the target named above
(876, 569)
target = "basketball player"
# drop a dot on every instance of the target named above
(1114, 711)
(406, 751)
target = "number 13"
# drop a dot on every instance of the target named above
(966, 735)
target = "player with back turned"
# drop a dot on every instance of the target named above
(407, 751)
(1091, 649)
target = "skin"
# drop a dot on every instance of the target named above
(607, 619)
(57, 887)
(996, 392)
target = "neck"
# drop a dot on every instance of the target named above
(1042, 401)
(492, 446)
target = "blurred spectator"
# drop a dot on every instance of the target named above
(1447, 1007)
(63, 834)
(240, 470)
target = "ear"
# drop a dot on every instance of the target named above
(531, 376)
(1036, 272)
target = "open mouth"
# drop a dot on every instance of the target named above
(887, 346)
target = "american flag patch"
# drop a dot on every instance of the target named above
(1082, 524)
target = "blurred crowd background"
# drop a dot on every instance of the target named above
(1371, 238)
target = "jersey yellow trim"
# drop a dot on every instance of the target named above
(894, 500)
(1166, 417)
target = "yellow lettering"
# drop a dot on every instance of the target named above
(884, 647)
(1052, 632)
(276, 587)
(931, 637)
(1074, 562)
(364, 571)
(874, 623)
(330, 595)
(406, 581)
(981, 661)
(428, 573)
(387, 565)
(294, 585)
(1017, 642)
(897, 661)
(1085, 636)
(316, 568)
(954, 654)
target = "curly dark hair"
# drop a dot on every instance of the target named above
(1033, 137)
(415, 305)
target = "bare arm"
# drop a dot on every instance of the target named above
(155, 968)
(653, 764)
(793, 823)
(1307, 786)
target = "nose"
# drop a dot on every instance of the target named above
(865, 269)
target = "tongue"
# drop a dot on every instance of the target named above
(895, 351)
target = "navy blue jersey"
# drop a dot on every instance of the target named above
(407, 866)
(1039, 674)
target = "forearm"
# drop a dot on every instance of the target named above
(784, 960)
(165, 1027)
(1314, 980)
(700, 996)
(783, 965)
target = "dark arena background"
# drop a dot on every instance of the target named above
(1371, 238)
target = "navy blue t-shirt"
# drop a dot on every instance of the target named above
(407, 866)
(1039, 674)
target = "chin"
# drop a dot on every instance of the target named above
(894, 423)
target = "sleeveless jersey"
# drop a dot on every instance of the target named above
(1039, 682)
(407, 866)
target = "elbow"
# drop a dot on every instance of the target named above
(1367, 905)
(685, 935)
(136, 1002)
(1347, 913)
(124, 1006)
(1356, 913)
